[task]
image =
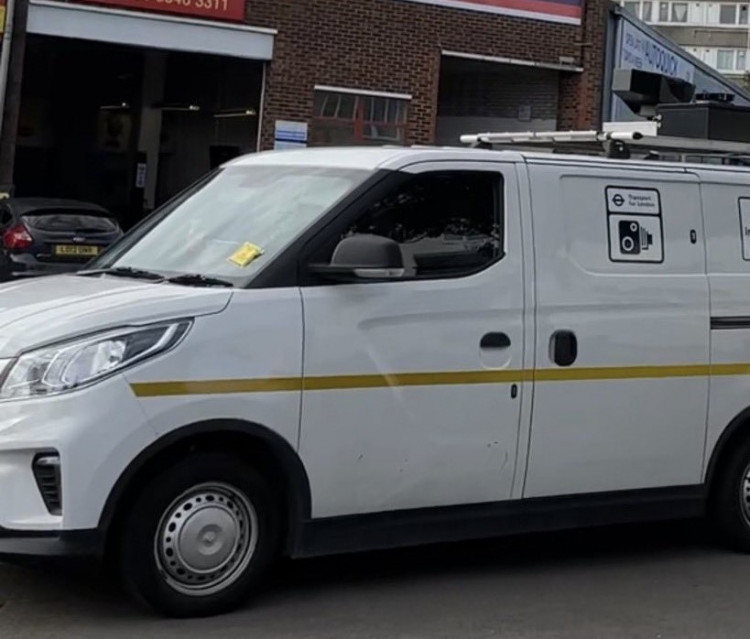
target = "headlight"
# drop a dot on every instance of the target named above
(70, 365)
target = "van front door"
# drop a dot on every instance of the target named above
(413, 387)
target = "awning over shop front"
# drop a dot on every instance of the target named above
(67, 20)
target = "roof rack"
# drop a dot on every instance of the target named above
(618, 140)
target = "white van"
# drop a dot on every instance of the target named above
(326, 351)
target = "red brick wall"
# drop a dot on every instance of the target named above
(395, 45)
(581, 95)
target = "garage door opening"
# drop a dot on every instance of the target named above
(477, 96)
(126, 127)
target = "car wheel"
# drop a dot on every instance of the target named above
(731, 499)
(199, 537)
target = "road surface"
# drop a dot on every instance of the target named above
(667, 581)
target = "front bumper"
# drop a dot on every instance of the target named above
(73, 543)
(96, 432)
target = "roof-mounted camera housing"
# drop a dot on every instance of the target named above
(644, 91)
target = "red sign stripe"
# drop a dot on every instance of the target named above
(534, 6)
(230, 10)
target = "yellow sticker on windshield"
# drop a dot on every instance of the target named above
(246, 254)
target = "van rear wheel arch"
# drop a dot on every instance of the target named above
(267, 452)
(729, 487)
(735, 433)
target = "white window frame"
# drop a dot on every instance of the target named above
(733, 56)
(740, 60)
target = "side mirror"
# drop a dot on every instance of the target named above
(369, 257)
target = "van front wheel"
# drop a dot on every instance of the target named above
(199, 537)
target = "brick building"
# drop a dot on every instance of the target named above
(459, 62)
(127, 101)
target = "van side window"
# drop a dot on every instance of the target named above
(447, 224)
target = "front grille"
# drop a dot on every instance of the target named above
(47, 473)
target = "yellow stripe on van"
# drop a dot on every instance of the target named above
(457, 378)
(620, 372)
(730, 369)
(448, 378)
(217, 387)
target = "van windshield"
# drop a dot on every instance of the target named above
(233, 222)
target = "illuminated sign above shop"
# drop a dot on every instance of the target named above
(229, 10)
(567, 11)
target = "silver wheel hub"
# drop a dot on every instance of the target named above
(745, 495)
(206, 539)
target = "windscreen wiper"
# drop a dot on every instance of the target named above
(195, 279)
(125, 271)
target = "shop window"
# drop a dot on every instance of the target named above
(725, 60)
(349, 119)
(679, 12)
(647, 9)
(728, 14)
(663, 12)
(631, 8)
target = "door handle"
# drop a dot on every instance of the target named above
(495, 340)
(564, 348)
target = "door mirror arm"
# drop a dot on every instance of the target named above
(354, 273)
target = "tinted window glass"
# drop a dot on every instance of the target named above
(5, 217)
(728, 14)
(447, 223)
(65, 220)
(679, 12)
(725, 59)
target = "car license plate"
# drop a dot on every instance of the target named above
(67, 250)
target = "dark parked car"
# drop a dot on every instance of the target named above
(47, 236)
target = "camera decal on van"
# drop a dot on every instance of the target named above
(634, 225)
(634, 238)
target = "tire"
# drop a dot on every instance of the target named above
(730, 504)
(199, 537)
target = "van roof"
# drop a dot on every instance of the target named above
(370, 158)
(395, 158)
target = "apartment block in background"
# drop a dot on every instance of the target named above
(717, 33)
